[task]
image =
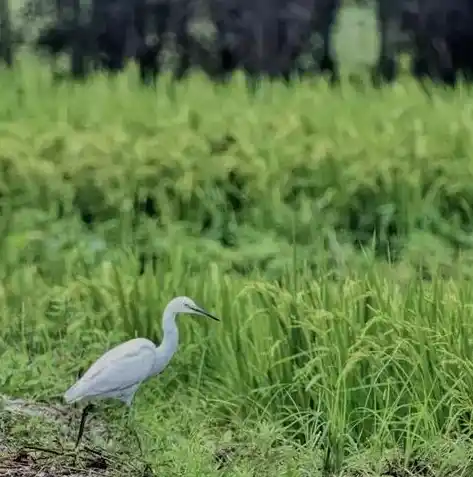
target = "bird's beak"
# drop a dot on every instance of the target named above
(201, 311)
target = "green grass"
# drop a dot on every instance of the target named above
(243, 179)
(318, 372)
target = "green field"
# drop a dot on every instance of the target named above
(330, 230)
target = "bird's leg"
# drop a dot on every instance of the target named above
(132, 428)
(147, 472)
(85, 412)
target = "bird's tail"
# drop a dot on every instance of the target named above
(72, 394)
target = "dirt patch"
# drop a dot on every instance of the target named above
(35, 441)
(32, 409)
(66, 418)
(31, 464)
(51, 463)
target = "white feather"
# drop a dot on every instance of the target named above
(115, 372)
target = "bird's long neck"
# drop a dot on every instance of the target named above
(170, 334)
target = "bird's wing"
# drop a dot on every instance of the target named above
(120, 368)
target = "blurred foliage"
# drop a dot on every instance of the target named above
(297, 166)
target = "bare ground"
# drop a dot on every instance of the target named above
(40, 448)
(31, 463)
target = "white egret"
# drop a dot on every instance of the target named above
(118, 373)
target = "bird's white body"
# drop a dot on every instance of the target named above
(120, 371)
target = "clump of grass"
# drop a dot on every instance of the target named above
(342, 362)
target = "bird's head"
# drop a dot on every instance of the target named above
(184, 304)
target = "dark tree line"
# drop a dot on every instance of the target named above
(442, 34)
(264, 38)
(6, 40)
